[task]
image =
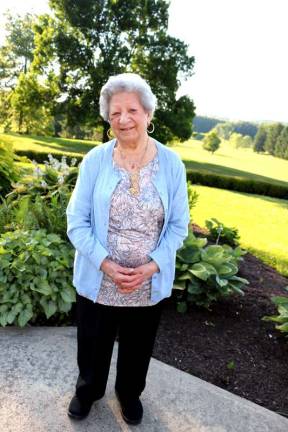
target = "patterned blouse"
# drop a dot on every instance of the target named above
(135, 223)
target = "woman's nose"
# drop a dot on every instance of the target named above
(123, 117)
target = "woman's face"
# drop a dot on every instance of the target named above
(128, 119)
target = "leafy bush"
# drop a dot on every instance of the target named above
(40, 201)
(204, 273)
(47, 181)
(192, 197)
(220, 232)
(211, 141)
(6, 215)
(282, 318)
(35, 276)
(9, 173)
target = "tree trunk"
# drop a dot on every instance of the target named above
(105, 130)
(20, 121)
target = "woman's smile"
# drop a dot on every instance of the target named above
(127, 129)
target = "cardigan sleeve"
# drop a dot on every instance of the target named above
(177, 226)
(79, 217)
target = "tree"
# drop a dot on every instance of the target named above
(31, 105)
(260, 138)
(92, 40)
(273, 132)
(211, 142)
(237, 140)
(245, 128)
(281, 148)
(16, 54)
(224, 130)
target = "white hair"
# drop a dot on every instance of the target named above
(126, 82)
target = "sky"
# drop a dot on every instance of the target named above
(240, 50)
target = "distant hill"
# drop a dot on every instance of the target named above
(203, 124)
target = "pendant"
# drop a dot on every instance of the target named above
(134, 183)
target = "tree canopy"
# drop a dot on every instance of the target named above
(88, 41)
(211, 141)
(16, 54)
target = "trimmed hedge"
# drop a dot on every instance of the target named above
(239, 185)
(195, 177)
(41, 157)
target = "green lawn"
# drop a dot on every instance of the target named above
(49, 144)
(241, 163)
(262, 221)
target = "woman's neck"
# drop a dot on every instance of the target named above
(133, 146)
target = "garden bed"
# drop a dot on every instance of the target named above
(230, 346)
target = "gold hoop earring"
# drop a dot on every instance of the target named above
(153, 128)
(110, 133)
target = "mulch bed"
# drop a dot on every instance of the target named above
(230, 346)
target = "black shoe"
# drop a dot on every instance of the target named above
(77, 409)
(131, 409)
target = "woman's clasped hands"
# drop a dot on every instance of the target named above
(128, 279)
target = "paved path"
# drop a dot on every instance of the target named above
(37, 377)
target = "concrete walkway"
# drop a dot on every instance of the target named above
(37, 377)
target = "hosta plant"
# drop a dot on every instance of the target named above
(205, 273)
(46, 181)
(40, 200)
(220, 233)
(281, 319)
(35, 276)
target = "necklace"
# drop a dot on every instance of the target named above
(134, 176)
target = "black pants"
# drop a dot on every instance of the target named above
(97, 327)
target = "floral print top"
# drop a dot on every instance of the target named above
(135, 223)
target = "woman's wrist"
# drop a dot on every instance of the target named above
(153, 266)
(106, 266)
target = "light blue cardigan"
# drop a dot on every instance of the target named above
(88, 218)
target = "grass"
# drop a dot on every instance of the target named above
(74, 147)
(261, 221)
(240, 163)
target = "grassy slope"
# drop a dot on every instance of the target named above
(262, 221)
(49, 144)
(226, 161)
(236, 163)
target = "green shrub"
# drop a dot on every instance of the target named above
(35, 276)
(6, 215)
(47, 181)
(40, 201)
(220, 232)
(282, 318)
(9, 172)
(192, 197)
(204, 273)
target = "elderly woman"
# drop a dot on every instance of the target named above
(127, 216)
